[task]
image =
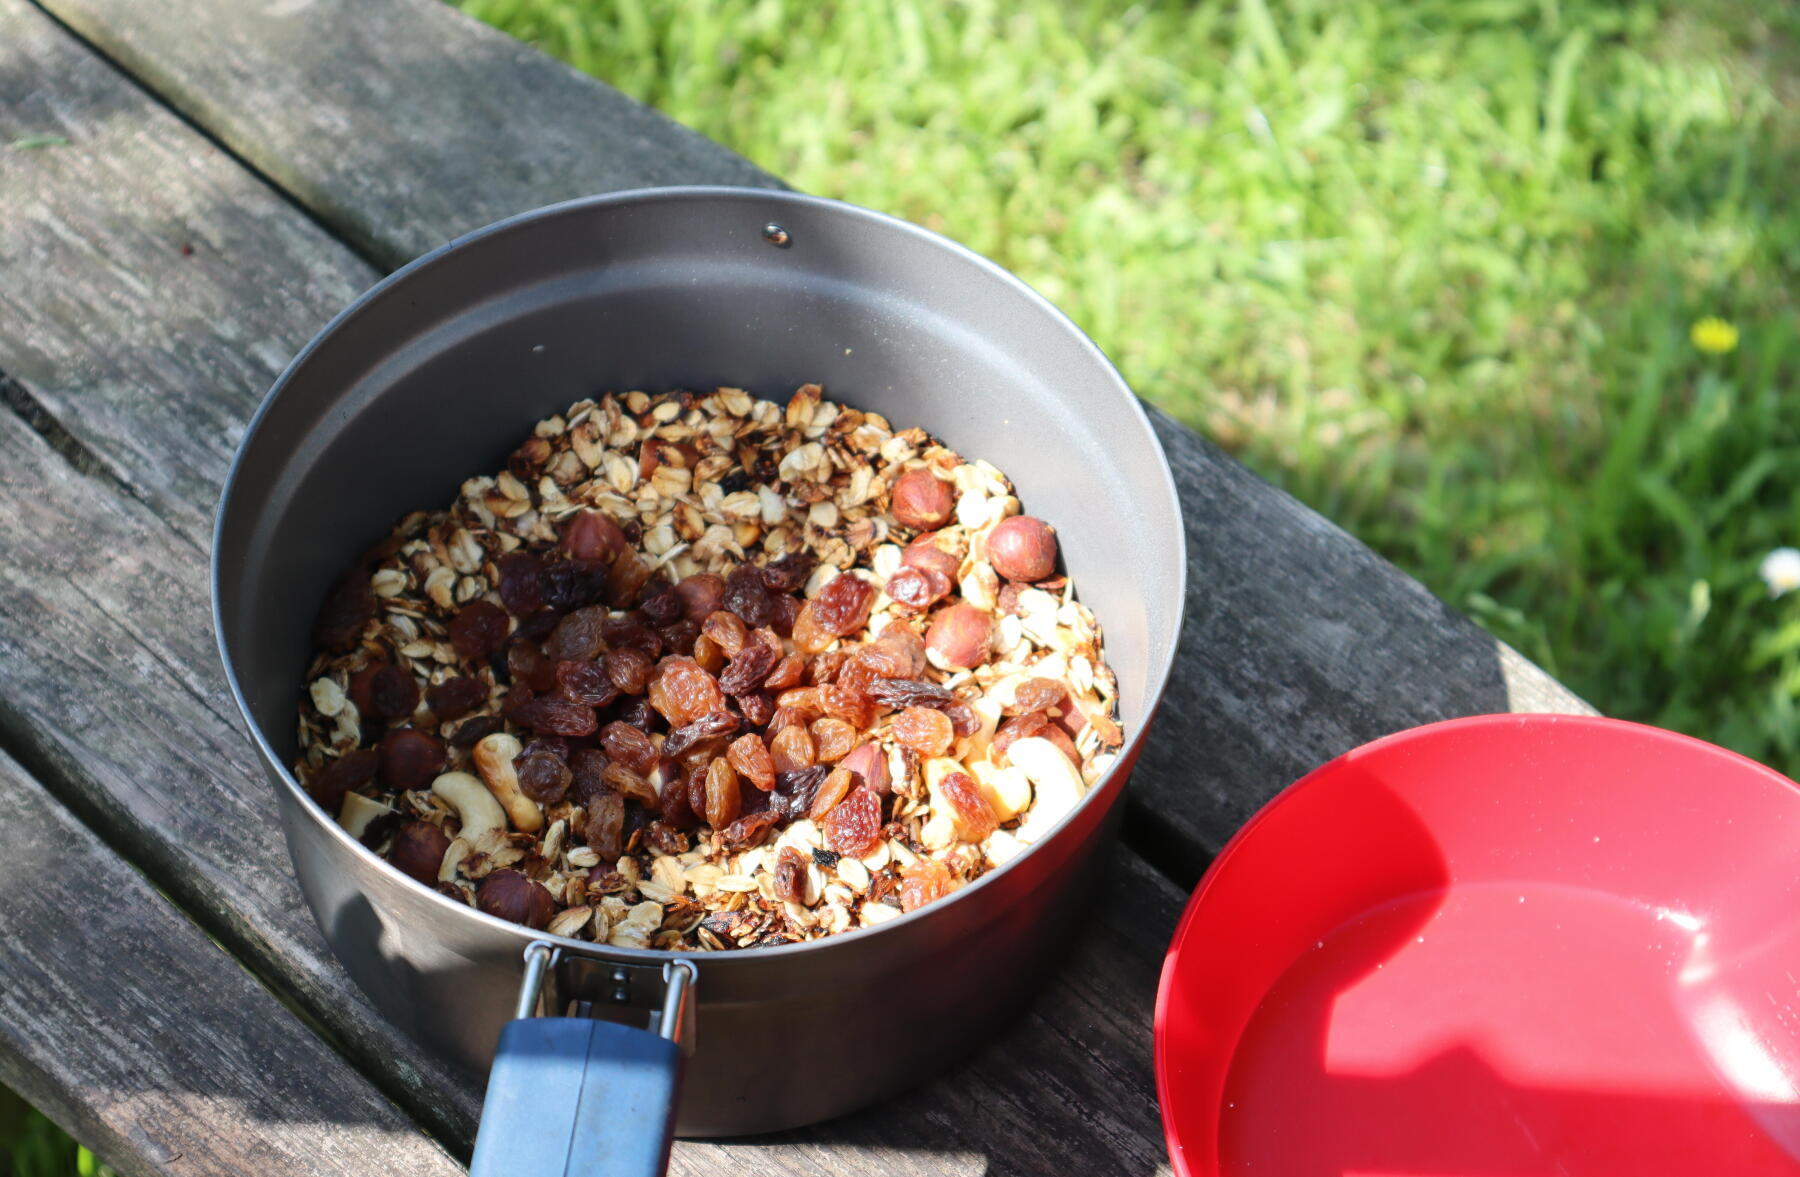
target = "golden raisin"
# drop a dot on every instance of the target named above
(750, 756)
(969, 807)
(835, 788)
(792, 750)
(924, 730)
(832, 739)
(854, 825)
(925, 881)
(723, 801)
(728, 630)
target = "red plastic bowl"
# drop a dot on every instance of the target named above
(1508, 945)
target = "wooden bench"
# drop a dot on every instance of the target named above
(232, 175)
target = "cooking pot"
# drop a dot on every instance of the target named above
(434, 375)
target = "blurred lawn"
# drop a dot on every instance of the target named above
(1430, 265)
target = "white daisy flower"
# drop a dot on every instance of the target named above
(1780, 570)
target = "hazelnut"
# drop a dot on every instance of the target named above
(592, 535)
(922, 499)
(960, 636)
(1022, 548)
(869, 765)
(701, 595)
(511, 896)
(410, 758)
(924, 554)
(418, 851)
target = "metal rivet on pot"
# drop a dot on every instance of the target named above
(775, 235)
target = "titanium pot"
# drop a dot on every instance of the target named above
(435, 374)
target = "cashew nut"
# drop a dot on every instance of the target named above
(1056, 785)
(494, 758)
(358, 811)
(1008, 790)
(483, 821)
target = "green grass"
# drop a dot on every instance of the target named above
(1429, 265)
(32, 1146)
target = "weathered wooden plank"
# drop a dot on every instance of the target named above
(140, 261)
(423, 108)
(127, 1025)
(1299, 643)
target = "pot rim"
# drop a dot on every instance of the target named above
(1162, 660)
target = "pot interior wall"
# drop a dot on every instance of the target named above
(439, 376)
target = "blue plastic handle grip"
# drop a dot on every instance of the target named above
(576, 1097)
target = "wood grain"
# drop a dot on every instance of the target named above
(122, 1021)
(387, 117)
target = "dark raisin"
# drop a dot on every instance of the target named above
(585, 682)
(351, 771)
(554, 745)
(735, 481)
(790, 876)
(631, 631)
(537, 627)
(551, 716)
(679, 638)
(626, 579)
(709, 729)
(577, 637)
(677, 813)
(758, 707)
(455, 697)
(526, 663)
(661, 603)
(794, 791)
(478, 629)
(963, 720)
(521, 583)
(842, 606)
(630, 747)
(542, 776)
(629, 669)
(473, 731)
(749, 669)
(750, 830)
(410, 759)
(637, 712)
(393, 693)
(787, 612)
(570, 584)
(747, 596)
(788, 574)
(826, 858)
(587, 774)
(606, 827)
(631, 786)
(348, 607)
(910, 692)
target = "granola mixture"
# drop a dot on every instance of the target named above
(705, 672)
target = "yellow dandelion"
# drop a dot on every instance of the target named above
(1714, 335)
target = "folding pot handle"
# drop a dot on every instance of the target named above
(581, 1097)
